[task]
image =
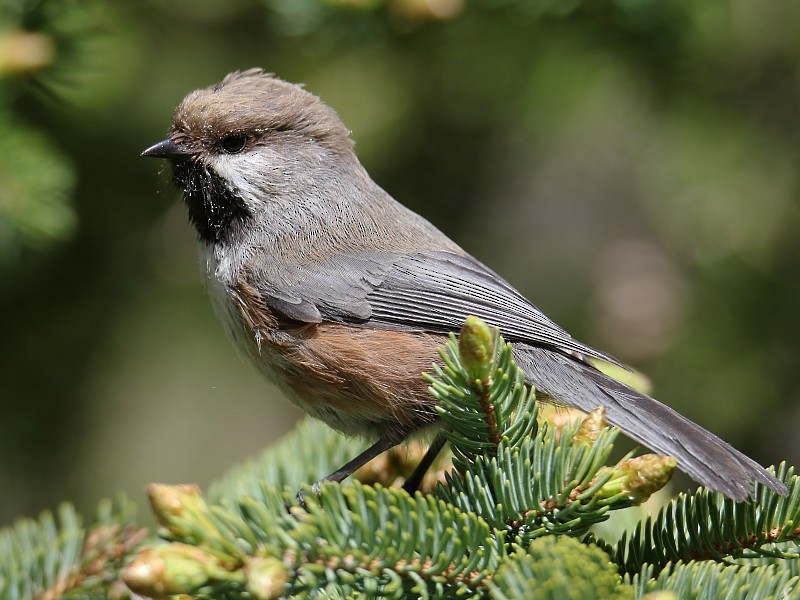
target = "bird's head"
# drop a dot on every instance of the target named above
(250, 139)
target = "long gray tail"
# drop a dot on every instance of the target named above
(701, 454)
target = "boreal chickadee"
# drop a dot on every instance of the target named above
(341, 295)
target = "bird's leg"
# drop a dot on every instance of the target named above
(383, 444)
(413, 481)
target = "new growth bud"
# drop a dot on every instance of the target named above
(172, 569)
(171, 502)
(476, 349)
(638, 477)
(591, 426)
(266, 578)
(25, 51)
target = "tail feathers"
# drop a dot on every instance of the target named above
(701, 454)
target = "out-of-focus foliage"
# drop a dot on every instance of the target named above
(36, 180)
(629, 165)
(35, 190)
(51, 558)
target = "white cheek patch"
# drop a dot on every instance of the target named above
(266, 172)
(249, 175)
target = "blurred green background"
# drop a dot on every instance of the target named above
(630, 165)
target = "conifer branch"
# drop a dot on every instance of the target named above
(46, 559)
(503, 522)
(708, 526)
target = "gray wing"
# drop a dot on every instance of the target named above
(435, 291)
(428, 290)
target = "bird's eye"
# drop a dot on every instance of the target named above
(234, 143)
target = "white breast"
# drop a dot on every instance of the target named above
(221, 270)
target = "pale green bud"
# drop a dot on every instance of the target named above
(169, 569)
(266, 578)
(591, 426)
(172, 502)
(638, 477)
(476, 349)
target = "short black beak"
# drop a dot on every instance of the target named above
(168, 148)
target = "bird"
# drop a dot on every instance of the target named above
(341, 295)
